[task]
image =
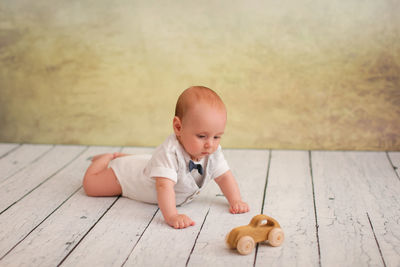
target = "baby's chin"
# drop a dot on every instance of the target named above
(199, 157)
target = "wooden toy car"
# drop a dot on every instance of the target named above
(261, 228)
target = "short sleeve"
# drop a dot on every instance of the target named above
(220, 165)
(164, 164)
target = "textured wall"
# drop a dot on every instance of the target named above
(294, 74)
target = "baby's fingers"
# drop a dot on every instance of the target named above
(182, 221)
(245, 208)
(184, 224)
(241, 207)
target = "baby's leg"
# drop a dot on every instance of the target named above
(100, 180)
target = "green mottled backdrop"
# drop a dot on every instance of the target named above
(294, 74)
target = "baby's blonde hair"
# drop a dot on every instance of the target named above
(196, 94)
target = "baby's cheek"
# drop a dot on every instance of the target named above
(195, 146)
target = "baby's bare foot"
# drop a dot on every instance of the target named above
(119, 154)
(107, 155)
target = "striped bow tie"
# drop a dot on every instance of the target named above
(193, 165)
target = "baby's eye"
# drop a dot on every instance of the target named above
(217, 137)
(201, 136)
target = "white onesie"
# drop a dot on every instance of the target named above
(136, 173)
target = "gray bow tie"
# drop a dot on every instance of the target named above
(193, 165)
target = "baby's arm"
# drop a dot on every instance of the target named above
(230, 188)
(167, 204)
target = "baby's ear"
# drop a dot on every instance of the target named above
(177, 125)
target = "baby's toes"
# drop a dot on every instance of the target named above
(234, 209)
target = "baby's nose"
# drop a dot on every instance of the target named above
(207, 144)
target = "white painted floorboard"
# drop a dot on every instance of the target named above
(7, 148)
(336, 209)
(21, 183)
(395, 160)
(289, 199)
(341, 212)
(20, 158)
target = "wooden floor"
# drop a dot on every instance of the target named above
(336, 209)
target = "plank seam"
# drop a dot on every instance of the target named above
(195, 241)
(394, 167)
(30, 163)
(51, 176)
(34, 228)
(315, 207)
(10, 151)
(140, 237)
(263, 201)
(376, 239)
(266, 181)
(90, 229)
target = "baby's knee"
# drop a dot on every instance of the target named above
(88, 185)
(101, 184)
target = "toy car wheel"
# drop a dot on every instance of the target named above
(276, 237)
(245, 245)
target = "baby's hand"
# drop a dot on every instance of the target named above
(180, 221)
(239, 207)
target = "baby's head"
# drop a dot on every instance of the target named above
(199, 122)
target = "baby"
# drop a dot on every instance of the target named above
(180, 168)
